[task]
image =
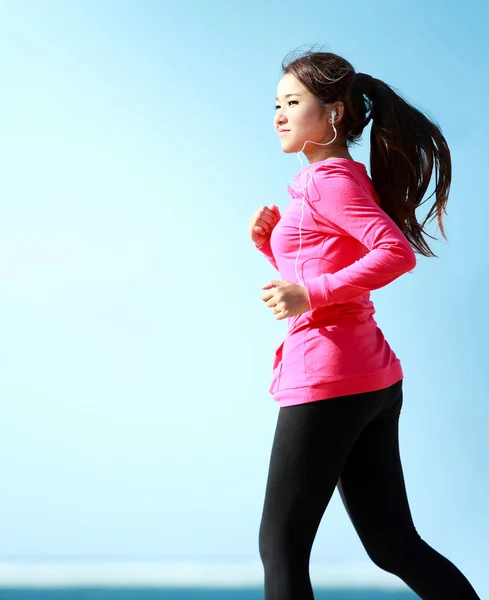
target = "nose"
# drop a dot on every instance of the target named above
(278, 120)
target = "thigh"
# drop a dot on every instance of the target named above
(310, 447)
(372, 483)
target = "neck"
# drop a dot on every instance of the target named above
(324, 154)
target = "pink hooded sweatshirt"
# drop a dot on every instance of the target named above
(349, 246)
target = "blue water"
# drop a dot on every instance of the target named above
(188, 594)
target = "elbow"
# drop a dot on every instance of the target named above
(410, 259)
(407, 259)
(403, 258)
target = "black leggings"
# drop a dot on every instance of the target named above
(350, 442)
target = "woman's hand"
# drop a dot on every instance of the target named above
(262, 224)
(288, 298)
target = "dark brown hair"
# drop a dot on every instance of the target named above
(405, 144)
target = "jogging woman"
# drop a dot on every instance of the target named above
(336, 380)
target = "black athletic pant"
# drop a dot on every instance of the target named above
(349, 441)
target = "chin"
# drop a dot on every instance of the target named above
(290, 148)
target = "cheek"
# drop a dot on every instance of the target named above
(304, 121)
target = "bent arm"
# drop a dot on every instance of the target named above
(344, 204)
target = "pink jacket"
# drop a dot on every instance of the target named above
(349, 247)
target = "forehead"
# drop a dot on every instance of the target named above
(290, 85)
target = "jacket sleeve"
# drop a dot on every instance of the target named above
(266, 249)
(343, 204)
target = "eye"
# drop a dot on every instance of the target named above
(296, 101)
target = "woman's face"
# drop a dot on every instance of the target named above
(300, 114)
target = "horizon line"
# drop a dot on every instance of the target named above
(131, 573)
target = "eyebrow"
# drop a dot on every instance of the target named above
(287, 95)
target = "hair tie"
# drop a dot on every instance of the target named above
(366, 83)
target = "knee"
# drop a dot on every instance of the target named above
(392, 553)
(384, 558)
(279, 545)
(268, 544)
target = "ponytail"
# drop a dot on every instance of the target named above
(405, 145)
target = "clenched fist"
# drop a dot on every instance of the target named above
(262, 223)
(286, 298)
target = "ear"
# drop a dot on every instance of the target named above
(339, 109)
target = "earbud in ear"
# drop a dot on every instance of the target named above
(333, 115)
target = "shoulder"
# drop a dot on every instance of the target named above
(339, 180)
(342, 170)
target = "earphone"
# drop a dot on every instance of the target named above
(333, 115)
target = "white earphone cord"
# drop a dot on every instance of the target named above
(333, 115)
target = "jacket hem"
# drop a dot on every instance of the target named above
(340, 387)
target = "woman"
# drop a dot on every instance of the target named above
(336, 379)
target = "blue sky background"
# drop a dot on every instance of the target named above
(137, 140)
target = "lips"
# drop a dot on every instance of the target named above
(283, 132)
